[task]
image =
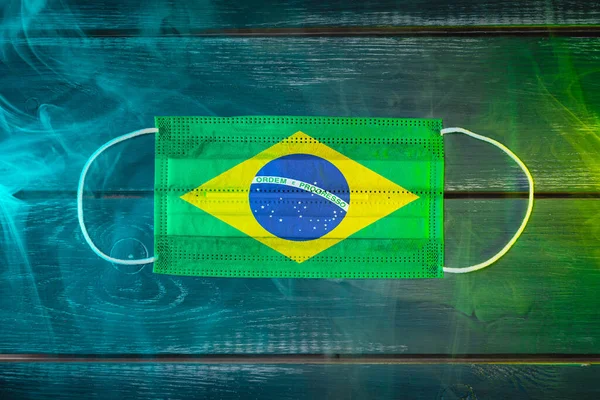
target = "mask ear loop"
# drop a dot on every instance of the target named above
(80, 186)
(513, 240)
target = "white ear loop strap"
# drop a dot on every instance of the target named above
(80, 186)
(512, 241)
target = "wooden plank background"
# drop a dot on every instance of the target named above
(180, 381)
(74, 74)
(166, 16)
(67, 96)
(532, 301)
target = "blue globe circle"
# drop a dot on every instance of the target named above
(299, 197)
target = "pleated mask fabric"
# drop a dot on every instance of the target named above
(291, 197)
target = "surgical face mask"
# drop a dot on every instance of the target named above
(299, 197)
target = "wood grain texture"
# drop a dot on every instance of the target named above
(62, 98)
(180, 381)
(58, 297)
(165, 16)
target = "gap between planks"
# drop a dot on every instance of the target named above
(137, 194)
(312, 359)
(471, 31)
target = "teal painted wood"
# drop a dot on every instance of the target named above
(62, 98)
(181, 381)
(164, 16)
(58, 297)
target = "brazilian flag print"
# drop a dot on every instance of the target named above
(302, 197)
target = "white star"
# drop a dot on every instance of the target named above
(270, 216)
(318, 221)
(281, 198)
(335, 212)
(325, 224)
(272, 211)
(280, 220)
(257, 189)
(315, 183)
(299, 203)
(301, 216)
(304, 206)
(314, 227)
(262, 206)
